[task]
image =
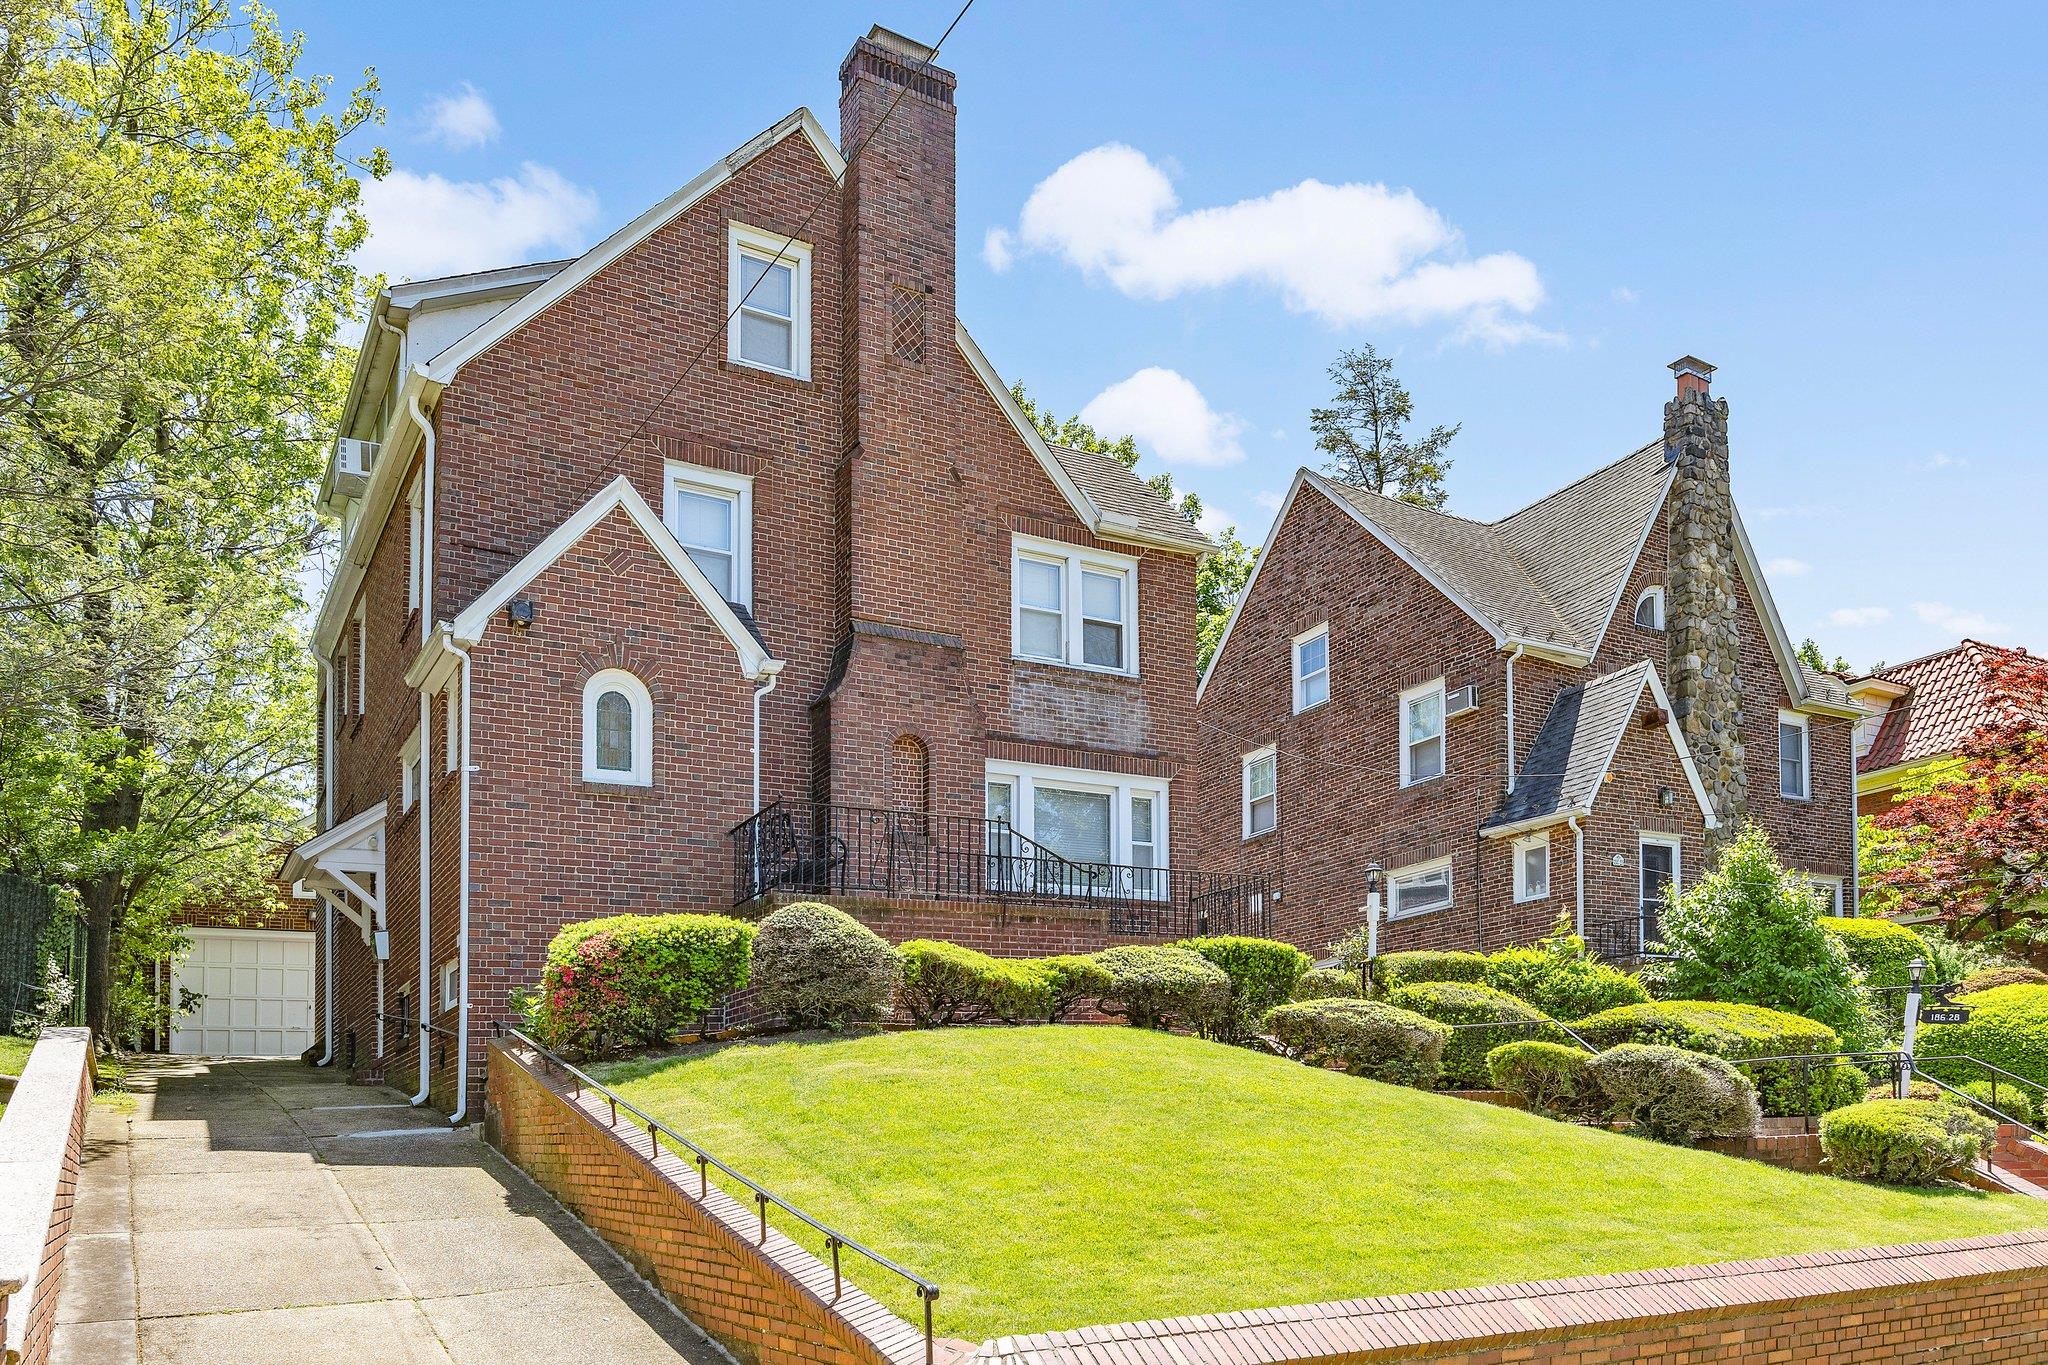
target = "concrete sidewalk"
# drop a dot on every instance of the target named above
(255, 1211)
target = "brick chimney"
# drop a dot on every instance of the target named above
(1702, 628)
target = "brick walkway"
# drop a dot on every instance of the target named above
(263, 1211)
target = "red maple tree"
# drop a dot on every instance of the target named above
(1969, 843)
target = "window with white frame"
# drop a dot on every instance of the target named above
(450, 976)
(1261, 792)
(1312, 668)
(1650, 609)
(1829, 889)
(409, 773)
(415, 513)
(1419, 889)
(618, 729)
(1074, 606)
(1422, 733)
(1656, 876)
(451, 725)
(1794, 777)
(1112, 823)
(711, 513)
(770, 302)
(1532, 868)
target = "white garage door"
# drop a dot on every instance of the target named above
(258, 989)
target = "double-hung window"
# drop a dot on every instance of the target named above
(1422, 733)
(1261, 794)
(1794, 775)
(1075, 831)
(1419, 889)
(1532, 868)
(712, 514)
(1073, 606)
(769, 288)
(1312, 668)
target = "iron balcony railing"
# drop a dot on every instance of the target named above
(824, 849)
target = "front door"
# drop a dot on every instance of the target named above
(1659, 864)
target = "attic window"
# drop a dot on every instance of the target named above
(769, 303)
(1650, 609)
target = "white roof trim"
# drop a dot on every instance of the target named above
(399, 440)
(1692, 772)
(469, 627)
(1535, 822)
(1027, 431)
(1245, 594)
(470, 345)
(1774, 625)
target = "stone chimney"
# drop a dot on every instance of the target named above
(1702, 626)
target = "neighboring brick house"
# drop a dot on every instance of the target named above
(717, 566)
(1556, 712)
(1921, 711)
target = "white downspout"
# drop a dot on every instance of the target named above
(1511, 714)
(380, 1007)
(760, 692)
(1855, 905)
(327, 958)
(426, 517)
(1578, 876)
(462, 914)
(426, 571)
(327, 764)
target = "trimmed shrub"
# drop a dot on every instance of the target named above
(1365, 1037)
(2006, 1098)
(1561, 980)
(1550, 1077)
(1672, 1094)
(1994, 977)
(1069, 980)
(944, 983)
(1262, 974)
(1018, 990)
(1391, 971)
(635, 980)
(1159, 986)
(1879, 948)
(1903, 1142)
(1737, 1032)
(2008, 1028)
(1327, 983)
(819, 967)
(1459, 1002)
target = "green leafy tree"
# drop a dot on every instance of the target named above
(1364, 431)
(1749, 933)
(1810, 655)
(1219, 577)
(176, 221)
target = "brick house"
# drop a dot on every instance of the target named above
(1920, 712)
(1553, 712)
(717, 567)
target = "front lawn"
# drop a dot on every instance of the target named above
(14, 1054)
(1059, 1177)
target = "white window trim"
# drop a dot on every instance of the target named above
(1121, 786)
(1831, 887)
(408, 784)
(450, 975)
(1793, 718)
(1648, 595)
(415, 533)
(1522, 890)
(718, 483)
(742, 240)
(1245, 791)
(1408, 779)
(1401, 874)
(1321, 632)
(1075, 559)
(1677, 847)
(619, 680)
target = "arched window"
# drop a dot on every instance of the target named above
(618, 729)
(910, 775)
(1650, 609)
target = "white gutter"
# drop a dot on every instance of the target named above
(1855, 905)
(426, 996)
(462, 915)
(327, 958)
(1518, 651)
(759, 693)
(1578, 876)
(426, 566)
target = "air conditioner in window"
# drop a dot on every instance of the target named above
(352, 463)
(1460, 701)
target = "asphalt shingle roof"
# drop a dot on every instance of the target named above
(1568, 762)
(1111, 486)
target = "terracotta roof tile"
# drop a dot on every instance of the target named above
(1948, 700)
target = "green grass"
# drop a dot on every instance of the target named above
(1058, 1177)
(14, 1054)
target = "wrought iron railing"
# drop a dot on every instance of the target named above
(818, 848)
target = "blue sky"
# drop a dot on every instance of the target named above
(1533, 208)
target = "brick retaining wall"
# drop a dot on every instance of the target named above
(769, 1303)
(40, 1138)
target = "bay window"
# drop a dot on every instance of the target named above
(1073, 606)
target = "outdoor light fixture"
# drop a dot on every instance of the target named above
(519, 612)
(1621, 860)
(1665, 796)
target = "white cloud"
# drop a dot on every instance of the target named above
(1849, 618)
(1169, 417)
(1350, 254)
(1941, 459)
(1624, 294)
(460, 119)
(424, 225)
(1786, 568)
(1958, 622)
(1268, 499)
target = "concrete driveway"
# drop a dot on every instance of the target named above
(255, 1211)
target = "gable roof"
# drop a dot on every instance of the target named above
(1117, 491)
(1949, 697)
(1567, 766)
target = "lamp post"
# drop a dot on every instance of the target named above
(1374, 876)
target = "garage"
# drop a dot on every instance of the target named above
(257, 989)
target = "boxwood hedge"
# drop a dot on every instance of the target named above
(1366, 1037)
(1323, 983)
(819, 967)
(2008, 1028)
(1880, 948)
(1157, 986)
(1491, 1018)
(1903, 1142)
(1391, 971)
(1737, 1032)
(1674, 1094)
(1549, 1077)
(1262, 973)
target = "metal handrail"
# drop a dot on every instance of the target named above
(927, 1290)
(1998, 1114)
(1558, 1024)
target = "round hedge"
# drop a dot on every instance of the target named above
(1880, 948)
(1550, 1077)
(1324, 983)
(1069, 979)
(1262, 973)
(1903, 1142)
(1366, 1037)
(819, 967)
(1673, 1094)
(1477, 1007)
(2008, 1028)
(1391, 971)
(636, 979)
(1736, 1032)
(1992, 978)
(1157, 986)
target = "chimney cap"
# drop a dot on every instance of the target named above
(900, 45)
(1692, 364)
